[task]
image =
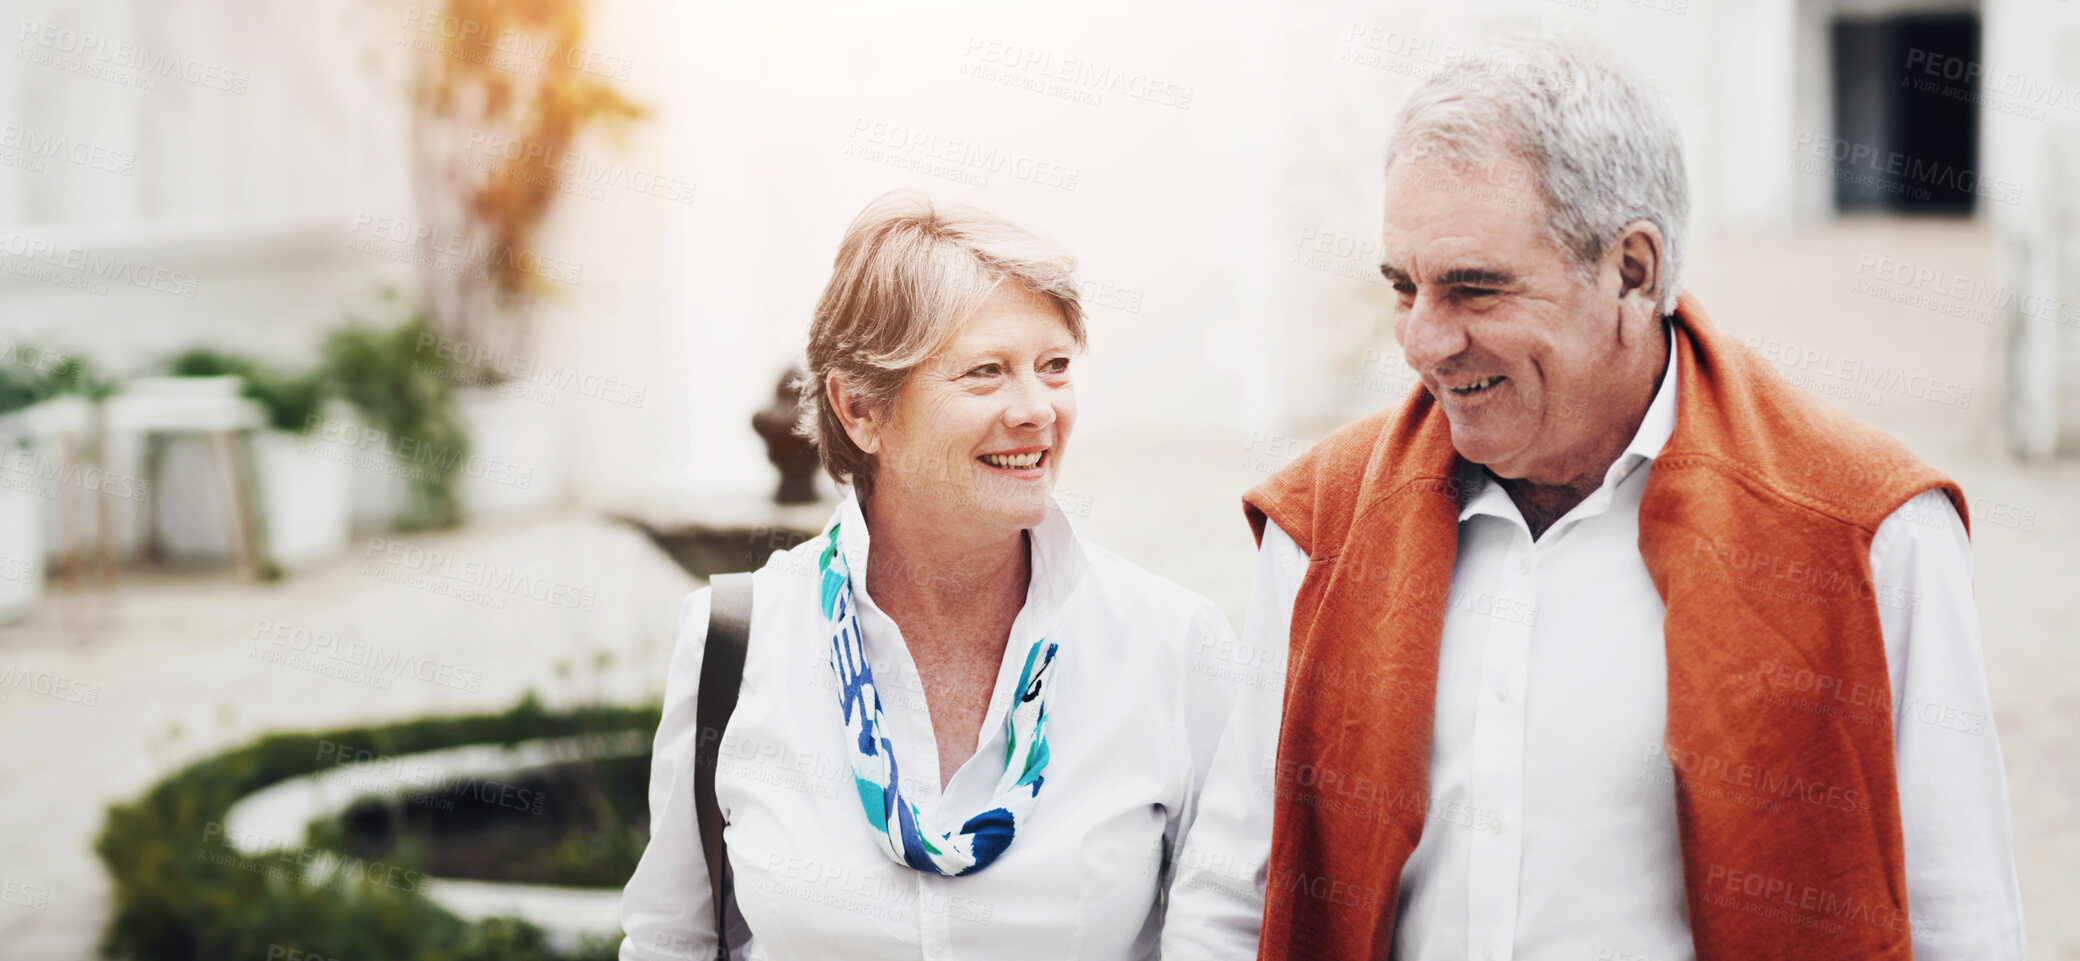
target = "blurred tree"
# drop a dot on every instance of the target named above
(504, 91)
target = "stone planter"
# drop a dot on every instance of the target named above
(275, 818)
(305, 498)
(516, 451)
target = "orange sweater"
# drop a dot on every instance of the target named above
(1755, 527)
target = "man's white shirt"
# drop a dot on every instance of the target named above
(1551, 830)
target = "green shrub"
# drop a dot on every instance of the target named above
(26, 380)
(292, 401)
(409, 395)
(182, 894)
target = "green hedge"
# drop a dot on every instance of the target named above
(182, 893)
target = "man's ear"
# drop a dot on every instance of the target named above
(861, 424)
(1641, 258)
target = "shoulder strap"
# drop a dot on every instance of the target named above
(722, 676)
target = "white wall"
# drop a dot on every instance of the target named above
(1230, 243)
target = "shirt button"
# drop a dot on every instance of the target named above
(1495, 825)
(1523, 565)
(1502, 692)
(1488, 954)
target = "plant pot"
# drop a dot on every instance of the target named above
(34, 494)
(516, 452)
(21, 551)
(305, 499)
(378, 492)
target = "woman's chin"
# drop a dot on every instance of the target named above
(1016, 510)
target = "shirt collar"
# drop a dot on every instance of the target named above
(1058, 557)
(1655, 429)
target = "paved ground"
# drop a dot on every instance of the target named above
(178, 680)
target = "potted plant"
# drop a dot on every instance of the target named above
(414, 444)
(493, 150)
(43, 395)
(301, 475)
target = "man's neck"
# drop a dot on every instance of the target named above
(1544, 501)
(1543, 505)
(937, 570)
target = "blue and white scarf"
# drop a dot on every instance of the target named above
(907, 834)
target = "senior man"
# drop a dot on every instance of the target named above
(1607, 642)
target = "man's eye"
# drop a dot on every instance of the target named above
(1404, 288)
(1472, 292)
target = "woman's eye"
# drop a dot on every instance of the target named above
(1058, 365)
(986, 370)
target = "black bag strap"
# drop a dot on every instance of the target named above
(722, 677)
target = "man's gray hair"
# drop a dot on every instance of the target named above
(1603, 146)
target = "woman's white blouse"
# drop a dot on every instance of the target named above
(1131, 731)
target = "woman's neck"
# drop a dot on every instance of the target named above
(921, 564)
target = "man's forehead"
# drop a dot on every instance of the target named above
(1434, 226)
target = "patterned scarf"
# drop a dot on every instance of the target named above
(906, 834)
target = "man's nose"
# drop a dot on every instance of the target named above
(1430, 335)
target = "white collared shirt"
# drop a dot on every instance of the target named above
(1131, 730)
(1551, 831)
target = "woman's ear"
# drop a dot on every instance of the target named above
(861, 424)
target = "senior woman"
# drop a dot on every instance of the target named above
(962, 731)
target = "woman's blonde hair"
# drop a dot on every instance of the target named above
(908, 274)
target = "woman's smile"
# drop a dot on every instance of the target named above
(1022, 462)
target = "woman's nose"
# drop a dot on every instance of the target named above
(1032, 404)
